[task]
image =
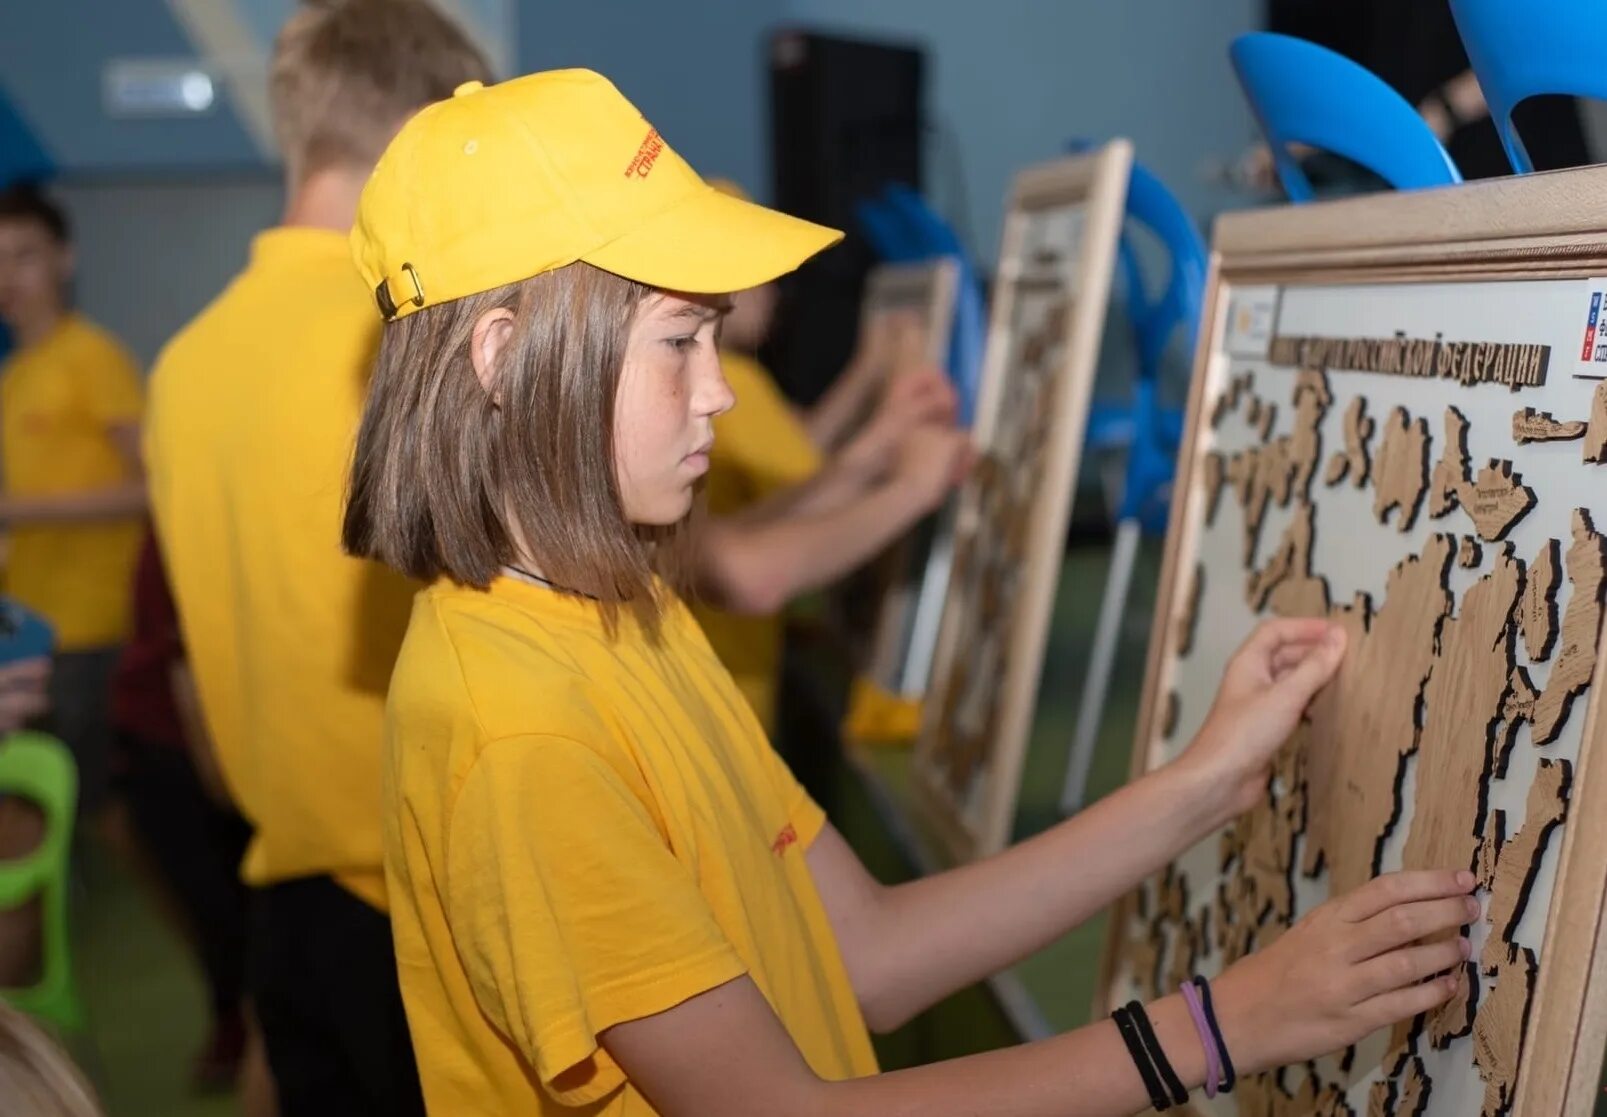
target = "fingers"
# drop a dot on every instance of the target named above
(1413, 1000)
(1405, 923)
(1393, 889)
(1409, 965)
(1270, 636)
(1318, 663)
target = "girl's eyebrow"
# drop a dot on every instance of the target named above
(702, 312)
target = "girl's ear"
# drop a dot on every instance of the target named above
(492, 331)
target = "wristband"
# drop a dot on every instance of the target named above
(1228, 1077)
(1213, 1064)
(1135, 1047)
(1180, 1096)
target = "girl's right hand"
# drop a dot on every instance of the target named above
(1356, 964)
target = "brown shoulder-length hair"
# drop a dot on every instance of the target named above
(450, 480)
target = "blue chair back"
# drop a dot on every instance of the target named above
(902, 228)
(1151, 433)
(1303, 93)
(1523, 48)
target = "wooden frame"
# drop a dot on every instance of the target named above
(1055, 266)
(1549, 227)
(901, 645)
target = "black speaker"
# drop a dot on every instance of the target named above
(845, 121)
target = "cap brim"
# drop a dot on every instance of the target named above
(711, 243)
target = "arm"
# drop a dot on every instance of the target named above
(757, 566)
(909, 946)
(891, 343)
(112, 502)
(723, 1053)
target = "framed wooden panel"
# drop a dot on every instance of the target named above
(1048, 313)
(906, 625)
(1399, 420)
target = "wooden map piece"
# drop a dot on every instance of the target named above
(1381, 1098)
(1353, 787)
(1496, 500)
(1462, 702)
(1529, 425)
(1581, 625)
(1169, 718)
(1259, 1096)
(1401, 474)
(1269, 416)
(1452, 469)
(1144, 958)
(1312, 398)
(1174, 899)
(1489, 856)
(1216, 475)
(1596, 430)
(1253, 411)
(1470, 554)
(1516, 710)
(1412, 1090)
(1237, 387)
(1518, 863)
(1498, 1029)
(1286, 582)
(1219, 410)
(1355, 460)
(1539, 615)
(1454, 1019)
(1331, 1102)
(1191, 611)
(1186, 946)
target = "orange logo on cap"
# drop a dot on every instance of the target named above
(646, 155)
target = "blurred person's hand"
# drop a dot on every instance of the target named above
(24, 692)
(917, 397)
(932, 460)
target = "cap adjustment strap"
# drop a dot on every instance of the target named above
(388, 306)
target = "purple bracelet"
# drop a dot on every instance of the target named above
(1213, 1065)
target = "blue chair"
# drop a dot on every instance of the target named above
(1522, 48)
(1303, 93)
(1150, 433)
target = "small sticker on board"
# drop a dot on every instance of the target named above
(1252, 320)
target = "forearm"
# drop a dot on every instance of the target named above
(1084, 1073)
(113, 502)
(941, 933)
(757, 567)
(833, 417)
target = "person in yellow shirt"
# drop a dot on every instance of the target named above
(799, 498)
(70, 403)
(607, 890)
(254, 408)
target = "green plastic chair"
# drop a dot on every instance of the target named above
(37, 767)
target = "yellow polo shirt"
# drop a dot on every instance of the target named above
(254, 413)
(59, 399)
(760, 447)
(583, 830)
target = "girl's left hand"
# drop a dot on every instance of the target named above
(1264, 693)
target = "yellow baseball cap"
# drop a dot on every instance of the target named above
(503, 182)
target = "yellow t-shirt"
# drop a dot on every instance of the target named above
(583, 830)
(59, 398)
(254, 413)
(760, 447)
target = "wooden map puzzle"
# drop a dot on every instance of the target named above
(1417, 457)
(1011, 515)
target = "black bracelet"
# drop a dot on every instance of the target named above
(1135, 1047)
(1180, 1095)
(1228, 1077)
